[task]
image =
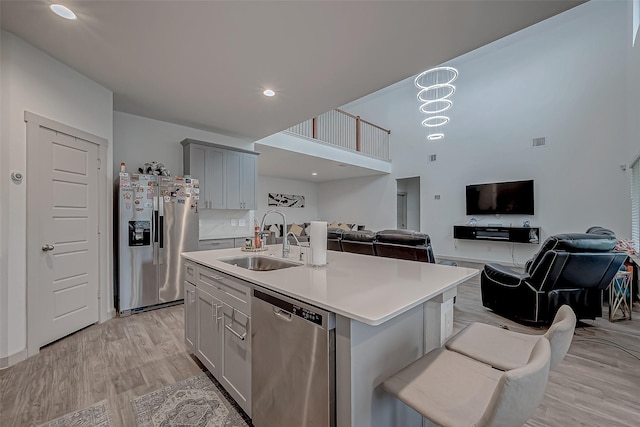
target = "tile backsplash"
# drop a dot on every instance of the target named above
(220, 223)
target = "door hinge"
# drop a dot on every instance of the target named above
(99, 163)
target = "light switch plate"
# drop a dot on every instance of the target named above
(234, 223)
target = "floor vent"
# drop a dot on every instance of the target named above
(432, 157)
(538, 142)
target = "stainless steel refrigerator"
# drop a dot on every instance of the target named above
(157, 221)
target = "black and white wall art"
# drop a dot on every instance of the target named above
(286, 200)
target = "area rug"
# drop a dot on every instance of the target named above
(94, 416)
(197, 402)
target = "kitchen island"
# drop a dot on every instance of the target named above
(388, 313)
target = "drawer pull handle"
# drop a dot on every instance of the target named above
(240, 337)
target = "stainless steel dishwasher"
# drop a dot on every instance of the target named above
(293, 362)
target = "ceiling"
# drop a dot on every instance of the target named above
(205, 64)
(292, 165)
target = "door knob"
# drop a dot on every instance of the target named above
(46, 248)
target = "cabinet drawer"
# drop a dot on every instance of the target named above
(206, 245)
(235, 292)
(189, 271)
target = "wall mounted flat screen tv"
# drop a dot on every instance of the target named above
(500, 198)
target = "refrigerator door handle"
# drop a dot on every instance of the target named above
(154, 219)
(161, 224)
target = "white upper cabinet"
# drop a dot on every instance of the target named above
(227, 176)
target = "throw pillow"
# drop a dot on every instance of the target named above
(345, 227)
(275, 229)
(334, 225)
(296, 229)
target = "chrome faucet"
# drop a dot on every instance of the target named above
(285, 242)
(300, 245)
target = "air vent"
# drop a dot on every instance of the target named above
(538, 142)
(432, 157)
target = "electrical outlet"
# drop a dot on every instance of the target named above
(242, 222)
(437, 197)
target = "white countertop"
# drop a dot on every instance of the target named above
(366, 288)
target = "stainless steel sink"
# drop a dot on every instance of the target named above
(260, 263)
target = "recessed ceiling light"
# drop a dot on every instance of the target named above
(63, 11)
(314, 173)
(268, 92)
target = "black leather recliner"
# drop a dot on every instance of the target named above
(569, 269)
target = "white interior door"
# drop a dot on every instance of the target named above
(66, 184)
(402, 211)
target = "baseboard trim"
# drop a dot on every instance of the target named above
(110, 315)
(12, 359)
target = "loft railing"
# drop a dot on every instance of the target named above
(345, 130)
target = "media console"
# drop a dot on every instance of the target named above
(494, 233)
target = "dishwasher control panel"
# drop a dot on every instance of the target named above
(295, 309)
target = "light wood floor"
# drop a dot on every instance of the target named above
(118, 360)
(597, 384)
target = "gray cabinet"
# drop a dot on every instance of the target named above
(214, 178)
(190, 316)
(208, 340)
(248, 175)
(207, 165)
(235, 373)
(241, 180)
(209, 244)
(227, 175)
(221, 320)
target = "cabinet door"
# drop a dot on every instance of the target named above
(208, 339)
(190, 316)
(215, 177)
(248, 184)
(233, 177)
(235, 373)
(196, 168)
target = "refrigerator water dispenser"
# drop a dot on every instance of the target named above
(139, 233)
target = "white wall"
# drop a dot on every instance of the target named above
(137, 140)
(368, 201)
(561, 79)
(269, 184)
(33, 81)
